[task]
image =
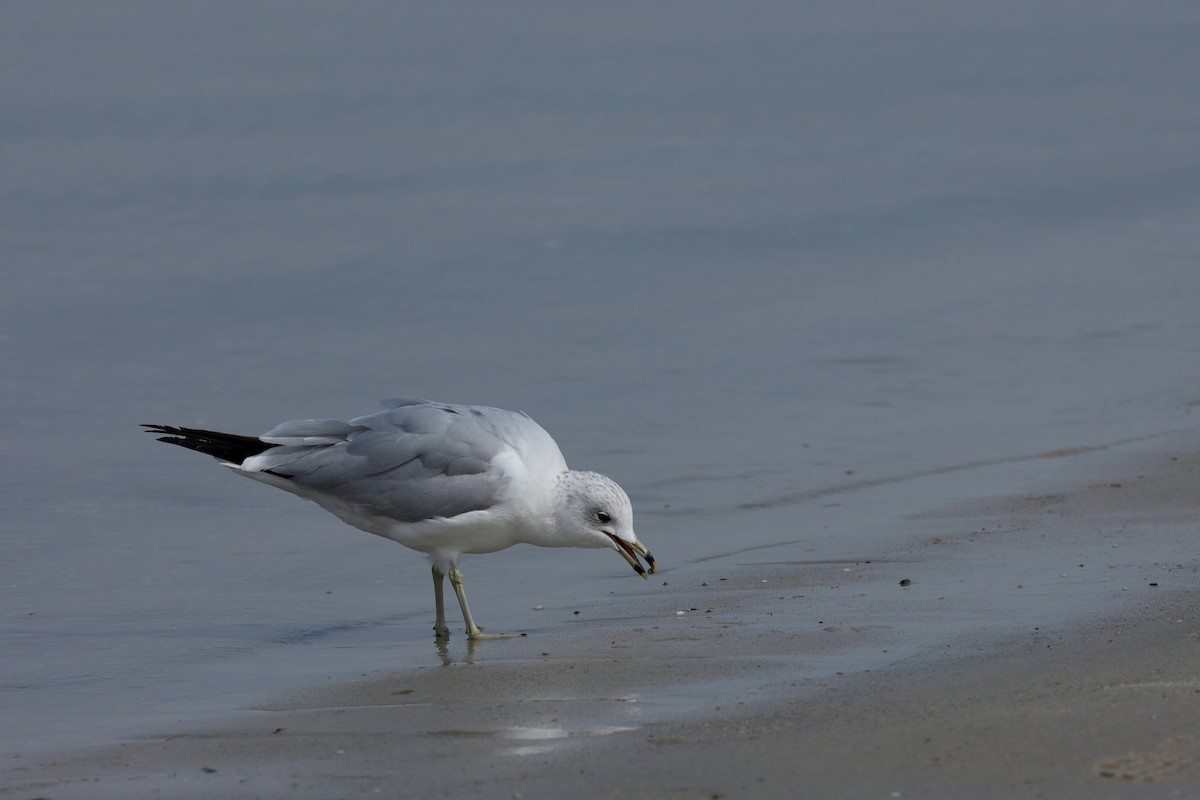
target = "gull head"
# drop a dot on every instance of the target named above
(593, 511)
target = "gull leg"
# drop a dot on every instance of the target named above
(440, 629)
(473, 632)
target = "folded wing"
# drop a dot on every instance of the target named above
(412, 462)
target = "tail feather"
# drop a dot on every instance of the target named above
(223, 446)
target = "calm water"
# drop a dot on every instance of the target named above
(726, 253)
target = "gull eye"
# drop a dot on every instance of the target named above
(603, 516)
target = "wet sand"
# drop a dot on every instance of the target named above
(995, 671)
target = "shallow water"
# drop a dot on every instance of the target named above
(786, 275)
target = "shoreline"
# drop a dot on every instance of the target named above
(1105, 711)
(998, 670)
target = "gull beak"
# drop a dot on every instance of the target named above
(630, 552)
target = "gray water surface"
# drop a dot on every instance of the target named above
(744, 258)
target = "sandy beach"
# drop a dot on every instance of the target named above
(745, 697)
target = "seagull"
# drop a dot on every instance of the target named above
(439, 478)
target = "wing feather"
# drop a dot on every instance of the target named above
(412, 462)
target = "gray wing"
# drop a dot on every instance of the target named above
(415, 461)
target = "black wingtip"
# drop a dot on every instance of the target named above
(165, 432)
(229, 447)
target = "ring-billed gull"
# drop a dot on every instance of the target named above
(439, 478)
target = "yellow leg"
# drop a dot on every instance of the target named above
(473, 632)
(440, 629)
